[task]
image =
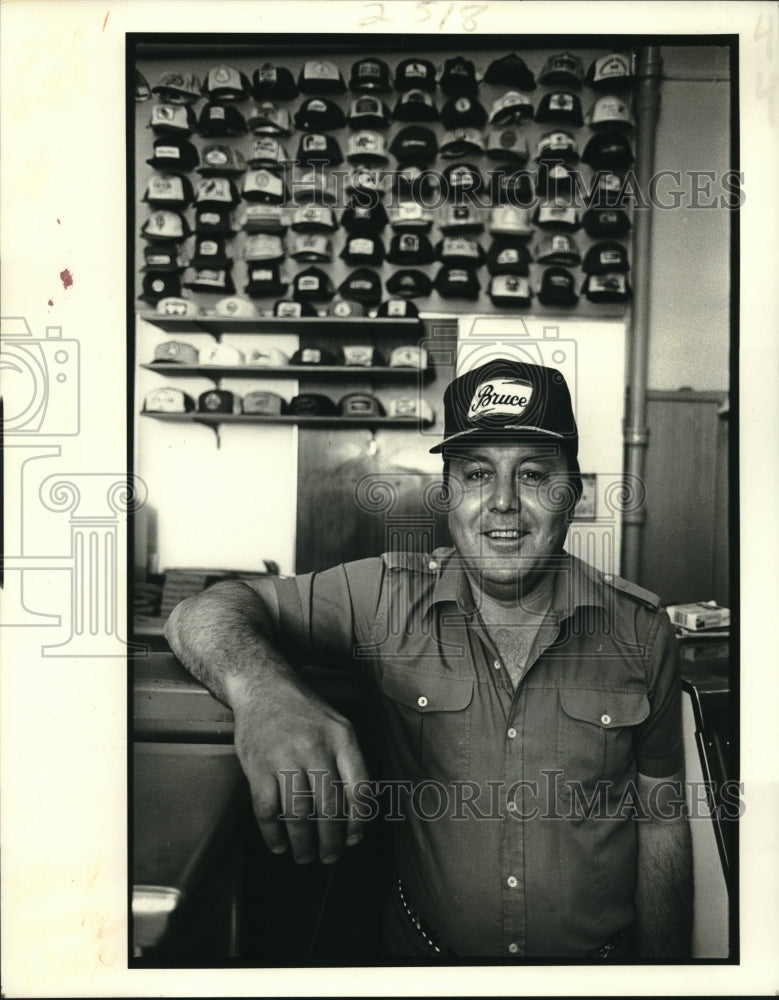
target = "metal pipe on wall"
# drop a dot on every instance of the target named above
(636, 434)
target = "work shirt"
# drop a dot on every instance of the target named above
(497, 849)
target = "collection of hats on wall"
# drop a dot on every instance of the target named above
(259, 180)
(352, 356)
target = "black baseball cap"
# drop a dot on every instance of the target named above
(606, 222)
(317, 113)
(561, 108)
(414, 144)
(459, 77)
(363, 286)
(360, 218)
(159, 285)
(173, 153)
(557, 287)
(413, 74)
(503, 400)
(459, 112)
(274, 81)
(409, 284)
(457, 283)
(221, 120)
(370, 74)
(508, 258)
(609, 150)
(410, 248)
(415, 106)
(607, 256)
(512, 71)
(363, 248)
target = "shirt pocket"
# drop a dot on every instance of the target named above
(595, 734)
(430, 717)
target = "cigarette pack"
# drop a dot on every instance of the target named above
(703, 615)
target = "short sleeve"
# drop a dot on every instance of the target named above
(659, 741)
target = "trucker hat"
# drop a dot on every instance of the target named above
(214, 219)
(218, 401)
(264, 185)
(221, 120)
(166, 399)
(511, 71)
(561, 108)
(362, 356)
(313, 356)
(176, 306)
(557, 287)
(313, 219)
(610, 111)
(458, 77)
(211, 253)
(267, 151)
(273, 81)
(317, 113)
(414, 144)
(606, 222)
(363, 286)
(312, 248)
(268, 119)
(264, 280)
(508, 258)
(178, 88)
(209, 279)
(415, 106)
(604, 257)
(363, 248)
(158, 285)
(222, 355)
(368, 112)
(397, 309)
(511, 108)
(163, 257)
(562, 68)
(507, 144)
(236, 307)
(510, 290)
(460, 142)
(220, 159)
(462, 112)
(410, 249)
(267, 357)
(608, 150)
(457, 283)
(175, 352)
(611, 286)
(360, 404)
(415, 74)
(226, 83)
(558, 248)
(459, 219)
(173, 153)
(176, 118)
(312, 404)
(169, 191)
(360, 218)
(217, 191)
(409, 283)
(320, 76)
(370, 74)
(261, 218)
(315, 147)
(612, 71)
(312, 285)
(165, 226)
(263, 403)
(263, 246)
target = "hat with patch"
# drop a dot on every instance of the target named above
(609, 286)
(359, 218)
(461, 179)
(557, 288)
(173, 153)
(222, 355)
(460, 250)
(412, 406)
(315, 185)
(367, 147)
(267, 151)
(312, 248)
(344, 309)
(213, 220)
(362, 356)
(409, 284)
(221, 120)
(606, 222)
(408, 356)
(267, 357)
(142, 91)
(563, 68)
(289, 309)
(415, 74)
(220, 160)
(459, 219)
(208, 279)
(457, 283)
(318, 113)
(557, 147)
(211, 253)
(415, 106)
(259, 218)
(363, 286)
(313, 356)
(218, 401)
(368, 182)
(511, 187)
(458, 77)
(178, 88)
(320, 76)
(363, 249)
(313, 219)
(608, 150)
(168, 400)
(370, 74)
(225, 83)
(169, 191)
(175, 118)
(607, 191)
(409, 249)
(264, 280)
(360, 404)
(368, 112)
(505, 399)
(273, 81)
(511, 108)
(461, 142)
(176, 306)
(511, 291)
(555, 179)
(604, 257)
(461, 112)
(608, 72)
(270, 120)
(263, 246)
(312, 404)
(159, 285)
(555, 214)
(263, 403)
(511, 71)
(412, 183)
(415, 144)
(409, 216)
(511, 258)
(264, 185)
(165, 226)
(397, 309)
(508, 220)
(236, 307)
(507, 144)
(558, 248)
(175, 352)
(163, 257)
(312, 285)
(560, 108)
(609, 112)
(314, 147)
(216, 191)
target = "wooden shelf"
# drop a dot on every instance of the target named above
(321, 325)
(383, 373)
(215, 419)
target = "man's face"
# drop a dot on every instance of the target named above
(510, 511)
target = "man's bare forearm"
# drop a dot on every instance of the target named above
(664, 889)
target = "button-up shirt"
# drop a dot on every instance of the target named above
(519, 810)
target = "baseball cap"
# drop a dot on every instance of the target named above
(609, 150)
(314, 147)
(236, 307)
(169, 191)
(408, 215)
(208, 279)
(313, 219)
(217, 191)
(610, 286)
(343, 309)
(175, 352)
(604, 257)
(510, 290)
(508, 220)
(168, 400)
(512, 71)
(415, 74)
(410, 248)
(264, 280)
(460, 250)
(158, 285)
(461, 142)
(313, 356)
(173, 153)
(317, 113)
(511, 186)
(264, 185)
(462, 111)
(557, 287)
(142, 91)
(508, 258)
(267, 118)
(397, 309)
(409, 284)
(411, 406)
(606, 222)
(610, 111)
(315, 185)
(414, 144)
(289, 309)
(415, 106)
(359, 218)
(611, 71)
(370, 74)
(320, 76)
(176, 118)
(368, 112)
(511, 108)
(460, 219)
(176, 306)
(221, 160)
(261, 218)
(213, 220)
(274, 81)
(178, 88)
(218, 401)
(263, 403)
(555, 178)
(363, 286)
(412, 183)
(607, 191)
(225, 83)
(367, 147)
(560, 107)
(312, 248)
(457, 283)
(458, 77)
(221, 120)
(461, 179)
(563, 68)
(503, 399)
(368, 182)
(312, 404)
(558, 248)
(408, 356)
(559, 147)
(312, 285)
(210, 253)
(267, 151)
(162, 257)
(360, 404)
(223, 355)
(363, 248)
(362, 356)
(554, 214)
(267, 357)
(263, 246)
(507, 144)
(165, 226)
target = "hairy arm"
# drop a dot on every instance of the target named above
(664, 880)
(296, 751)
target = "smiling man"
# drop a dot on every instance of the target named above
(528, 706)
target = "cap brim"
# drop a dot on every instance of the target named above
(465, 438)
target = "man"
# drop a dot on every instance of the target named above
(528, 705)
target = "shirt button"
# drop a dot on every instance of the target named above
(511, 733)
(605, 719)
(421, 701)
(513, 948)
(496, 664)
(433, 564)
(512, 881)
